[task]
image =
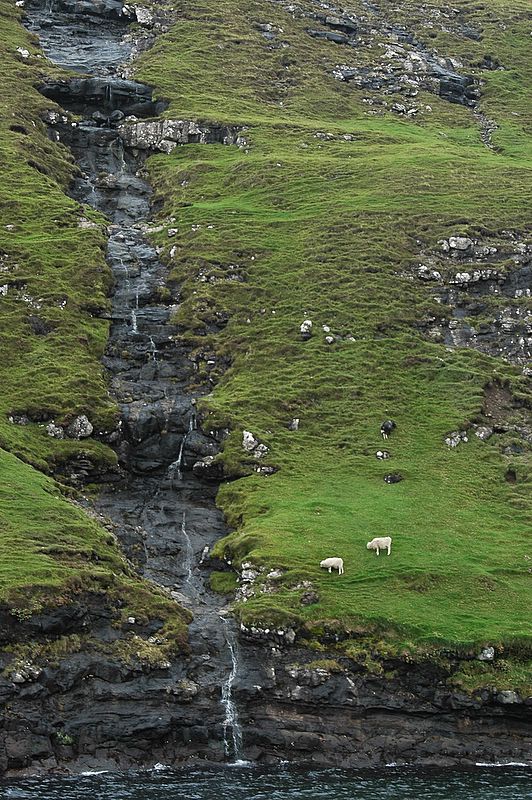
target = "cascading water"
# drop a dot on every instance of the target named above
(178, 464)
(231, 725)
(189, 551)
(160, 522)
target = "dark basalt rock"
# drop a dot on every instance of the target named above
(105, 95)
(393, 477)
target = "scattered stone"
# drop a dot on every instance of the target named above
(309, 598)
(80, 428)
(249, 573)
(249, 442)
(483, 432)
(487, 654)
(131, 620)
(329, 339)
(56, 431)
(393, 477)
(144, 16)
(172, 232)
(507, 697)
(460, 243)
(87, 224)
(260, 451)
(275, 573)
(19, 419)
(427, 274)
(454, 438)
(25, 673)
(265, 470)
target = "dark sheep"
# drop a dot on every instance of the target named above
(387, 427)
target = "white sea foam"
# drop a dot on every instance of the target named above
(87, 773)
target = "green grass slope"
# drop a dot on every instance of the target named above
(54, 284)
(53, 273)
(323, 214)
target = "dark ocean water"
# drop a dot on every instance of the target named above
(280, 783)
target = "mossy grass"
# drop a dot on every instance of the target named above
(53, 553)
(54, 274)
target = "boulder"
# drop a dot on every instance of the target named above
(460, 243)
(483, 432)
(508, 698)
(393, 477)
(56, 431)
(80, 428)
(249, 442)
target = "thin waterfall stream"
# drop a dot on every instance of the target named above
(231, 726)
(162, 512)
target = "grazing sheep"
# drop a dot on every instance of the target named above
(387, 427)
(382, 542)
(382, 454)
(333, 563)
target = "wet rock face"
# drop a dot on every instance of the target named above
(337, 714)
(106, 95)
(81, 35)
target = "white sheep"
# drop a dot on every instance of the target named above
(382, 542)
(333, 563)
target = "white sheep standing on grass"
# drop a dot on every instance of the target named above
(333, 563)
(380, 543)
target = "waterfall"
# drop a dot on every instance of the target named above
(179, 462)
(153, 349)
(189, 552)
(231, 724)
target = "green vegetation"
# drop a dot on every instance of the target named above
(323, 214)
(54, 285)
(53, 271)
(223, 582)
(52, 553)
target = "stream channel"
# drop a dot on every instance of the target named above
(165, 517)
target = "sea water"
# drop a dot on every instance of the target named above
(281, 783)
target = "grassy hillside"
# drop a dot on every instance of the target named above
(324, 214)
(53, 273)
(54, 284)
